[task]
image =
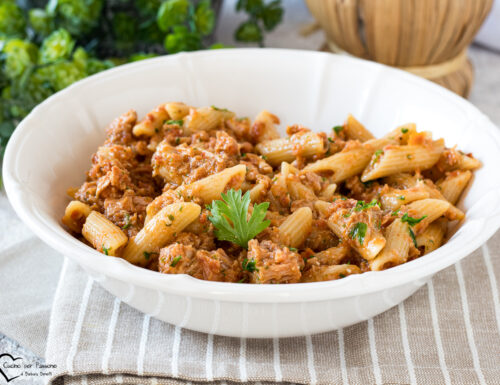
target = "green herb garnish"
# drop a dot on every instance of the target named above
(249, 265)
(147, 254)
(401, 198)
(410, 220)
(377, 155)
(219, 109)
(409, 156)
(105, 250)
(395, 213)
(330, 140)
(229, 216)
(359, 231)
(127, 222)
(361, 205)
(292, 249)
(337, 129)
(412, 236)
(404, 130)
(175, 261)
(179, 122)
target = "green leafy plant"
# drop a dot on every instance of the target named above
(262, 17)
(47, 45)
(230, 218)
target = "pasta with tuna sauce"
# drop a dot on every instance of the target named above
(199, 191)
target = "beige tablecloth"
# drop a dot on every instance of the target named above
(447, 333)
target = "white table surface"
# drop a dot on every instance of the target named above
(485, 92)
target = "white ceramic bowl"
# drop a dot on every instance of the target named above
(51, 150)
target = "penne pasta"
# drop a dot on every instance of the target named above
(210, 188)
(431, 209)
(395, 159)
(75, 215)
(396, 248)
(177, 111)
(170, 220)
(103, 234)
(396, 198)
(303, 143)
(206, 118)
(347, 163)
(152, 122)
(454, 184)
(432, 237)
(263, 127)
(329, 273)
(355, 130)
(296, 227)
(359, 229)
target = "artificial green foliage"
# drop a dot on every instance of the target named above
(46, 45)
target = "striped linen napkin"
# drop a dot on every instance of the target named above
(447, 333)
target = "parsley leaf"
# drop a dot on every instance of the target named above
(229, 216)
(176, 260)
(412, 236)
(410, 220)
(359, 231)
(127, 222)
(249, 265)
(179, 122)
(105, 250)
(404, 130)
(377, 155)
(219, 109)
(337, 129)
(361, 205)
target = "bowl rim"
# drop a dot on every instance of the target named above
(102, 266)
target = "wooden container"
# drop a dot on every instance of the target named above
(425, 37)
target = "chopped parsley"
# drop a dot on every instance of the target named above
(412, 236)
(249, 265)
(404, 130)
(177, 140)
(127, 222)
(412, 221)
(337, 129)
(180, 208)
(342, 275)
(175, 261)
(179, 122)
(361, 205)
(219, 109)
(264, 157)
(359, 231)
(377, 155)
(105, 250)
(171, 217)
(395, 213)
(147, 254)
(157, 130)
(292, 249)
(346, 215)
(229, 217)
(401, 198)
(409, 156)
(330, 140)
